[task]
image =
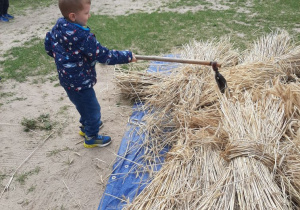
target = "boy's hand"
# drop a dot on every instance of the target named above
(133, 58)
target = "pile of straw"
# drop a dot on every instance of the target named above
(269, 48)
(240, 150)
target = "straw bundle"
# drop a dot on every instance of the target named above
(254, 132)
(213, 50)
(248, 76)
(288, 177)
(289, 93)
(269, 47)
(290, 62)
(208, 118)
(277, 49)
(187, 87)
(137, 84)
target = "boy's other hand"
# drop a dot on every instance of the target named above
(133, 58)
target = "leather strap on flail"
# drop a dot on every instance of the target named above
(214, 65)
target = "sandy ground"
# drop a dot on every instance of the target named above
(58, 172)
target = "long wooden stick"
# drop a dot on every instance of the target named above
(175, 60)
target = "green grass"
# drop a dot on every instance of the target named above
(31, 189)
(183, 3)
(160, 32)
(21, 178)
(2, 177)
(28, 60)
(7, 94)
(18, 6)
(57, 151)
(42, 122)
(63, 109)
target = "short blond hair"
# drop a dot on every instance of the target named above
(71, 6)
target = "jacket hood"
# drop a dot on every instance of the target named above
(68, 34)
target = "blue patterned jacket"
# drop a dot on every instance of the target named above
(76, 52)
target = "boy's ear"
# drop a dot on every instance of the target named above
(72, 17)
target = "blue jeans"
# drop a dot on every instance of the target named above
(89, 109)
(4, 4)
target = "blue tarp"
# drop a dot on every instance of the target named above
(124, 184)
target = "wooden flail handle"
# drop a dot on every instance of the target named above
(175, 60)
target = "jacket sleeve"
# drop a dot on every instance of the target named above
(94, 51)
(47, 44)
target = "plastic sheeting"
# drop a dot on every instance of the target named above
(125, 182)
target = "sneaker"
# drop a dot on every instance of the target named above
(96, 141)
(8, 16)
(3, 19)
(82, 131)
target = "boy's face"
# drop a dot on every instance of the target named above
(82, 16)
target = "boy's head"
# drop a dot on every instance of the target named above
(77, 11)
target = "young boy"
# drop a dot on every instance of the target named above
(76, 52)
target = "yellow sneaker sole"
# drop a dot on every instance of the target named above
(89, 146)
(95, 145)
(81, 133)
